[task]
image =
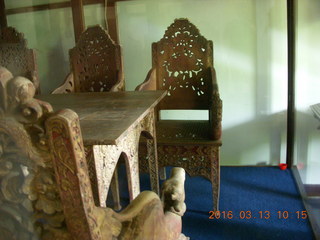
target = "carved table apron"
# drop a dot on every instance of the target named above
(111, 125)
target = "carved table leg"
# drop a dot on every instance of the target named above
(162, 173)
(148, 125)
(215, 177)
(106, 158)
(115, 190)
(133, 176)
(153, 165)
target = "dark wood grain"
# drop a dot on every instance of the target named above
(58, 5)
(35, 8)
(105, 117)
(78, 18)
(291, 82)
(112, 21)
(3, 17)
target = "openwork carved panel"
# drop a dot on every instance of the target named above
(182, 58)
(16, 57)
(197, 160)
(95, 61)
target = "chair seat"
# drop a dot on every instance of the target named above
(185, 132)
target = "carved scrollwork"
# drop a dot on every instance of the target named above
(197, 160)
(30, 204)
(181, 58)
(68, 174)
(182, 64)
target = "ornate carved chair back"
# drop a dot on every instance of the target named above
(72, 175)
(96, 62)
(183, 62)
(16, 57)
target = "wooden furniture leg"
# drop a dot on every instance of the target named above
(153, 164)
(133, 176)
(115, 190)
(215, 178)
(162, 173)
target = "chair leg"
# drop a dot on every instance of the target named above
(215, 178)
(115, 190)
(162, 173)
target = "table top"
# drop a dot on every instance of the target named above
(106, 116)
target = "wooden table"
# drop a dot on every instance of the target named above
(111, 125)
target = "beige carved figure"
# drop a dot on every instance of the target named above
(182, 64)
(45, 187)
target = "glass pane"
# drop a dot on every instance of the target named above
(94, 14)
(50, 33)
(250, 58)
(28, 3)
(307, 140)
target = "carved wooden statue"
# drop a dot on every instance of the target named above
(96, 64)
(182, 64)
(45, 188)
(16, 56)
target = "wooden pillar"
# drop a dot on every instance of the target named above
(111, 18)
(106, 14)
(3, 17)
(291, 82)
(78, 18)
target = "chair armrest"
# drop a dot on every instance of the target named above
(120, 84)
(67, 86)
(136, 206)
(147, 218)
(215, 108)
(150, 81)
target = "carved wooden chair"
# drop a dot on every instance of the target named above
(17, 57)
(45, 188)
(96, 64)
(182, 64)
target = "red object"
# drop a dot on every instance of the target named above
(283, 166)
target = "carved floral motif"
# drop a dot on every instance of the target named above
(30, 204)
(181, 58)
